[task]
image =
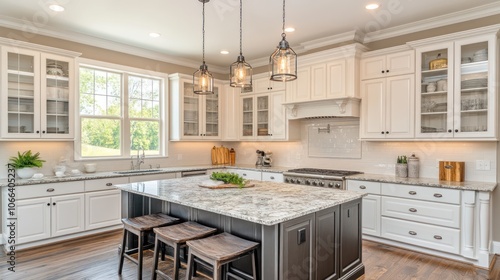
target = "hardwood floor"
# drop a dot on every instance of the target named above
(96, 257)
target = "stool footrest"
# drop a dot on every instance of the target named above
(134, 260)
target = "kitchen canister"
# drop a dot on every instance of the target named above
(401, 170)
(413, 166)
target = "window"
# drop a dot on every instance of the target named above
(121, 113)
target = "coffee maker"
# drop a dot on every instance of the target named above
(264, 158)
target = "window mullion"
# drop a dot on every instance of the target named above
(125, 120)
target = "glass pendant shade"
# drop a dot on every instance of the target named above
(241, 73)
(283, 62)
(203, 81)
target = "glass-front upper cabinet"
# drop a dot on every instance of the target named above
(263, 115)
(191, 112)
(212, 114)
(247, 117)
(255, 116)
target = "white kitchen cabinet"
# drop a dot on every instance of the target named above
(67, 213)
(457, 100)
(193, 117)
(247, 174)
(230, 113)
(393, 64)
(299, 90)
(37, 94)
(272, 177)
(103, 208)
(371, 205)
(388, 108)
(262, 83)
(263, 117)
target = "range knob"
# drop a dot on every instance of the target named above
(308, 182)
(338, 186)
(315, 183)
(292, 181)
(321, 184)
(299, 181)
(330, 185)
(287, 180)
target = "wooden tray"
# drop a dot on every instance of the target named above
(226, 186)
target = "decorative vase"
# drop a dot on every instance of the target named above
(26, 172)
(401, 170)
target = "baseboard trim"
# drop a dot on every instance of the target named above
(496, 247)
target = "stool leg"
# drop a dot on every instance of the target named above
(122, 251)
(163, 251)
(156, 253)
(176, 260)
(254, 265)
(139, 255)
(217, 270)
(190, 263)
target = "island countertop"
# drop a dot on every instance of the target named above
(267, 203)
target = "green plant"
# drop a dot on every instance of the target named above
(228, 178)
(26, 159)
(402, 159)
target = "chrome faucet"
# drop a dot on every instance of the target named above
(139, 160)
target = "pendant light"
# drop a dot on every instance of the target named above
(203, 81)
(240, 72)
(283, 61)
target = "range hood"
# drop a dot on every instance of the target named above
(341, 107)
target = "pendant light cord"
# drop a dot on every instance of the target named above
(283, 29)
(203, 31)
(241, 13)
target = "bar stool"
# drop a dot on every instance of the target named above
(141, 226)
(219, 250)
(176, 236)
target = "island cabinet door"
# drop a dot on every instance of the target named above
(350, 236)
(327, 240)
(297, 249)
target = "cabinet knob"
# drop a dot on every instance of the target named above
(109, 184)
(48, 204)
(272, 177)
(387, 71)
(362, 187)
(387, 132)
(38, 131)
(449, 130)
(50, 190)
(383, 132)
(438, 237)
(456, 130)
(412, 232)
(413, 210)
(412, 192)
(438, 195)
(383, 71)
(43, 131)
(54, 203)
(244, 174)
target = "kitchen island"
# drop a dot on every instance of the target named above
(304, 232)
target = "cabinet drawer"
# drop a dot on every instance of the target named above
(104, 184)
(428, 236)
(363, 186)
(422, 193)
(44, 190)
(440, 214)
(272, 177)
(247, 174)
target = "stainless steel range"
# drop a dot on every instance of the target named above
(318, 177)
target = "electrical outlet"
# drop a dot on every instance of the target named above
(483, 165)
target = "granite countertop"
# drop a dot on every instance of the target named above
(112, 174)
(426, 182)
(267, 203)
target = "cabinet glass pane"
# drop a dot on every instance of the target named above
(212, 114)
(20, 62)
(57, 96)
(262, 115)
(191, 111)
(434, 91)
(474, 87)
(247, 116)
(20, 91)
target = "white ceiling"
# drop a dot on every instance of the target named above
(129, 22)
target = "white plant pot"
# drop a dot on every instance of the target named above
(26, 172)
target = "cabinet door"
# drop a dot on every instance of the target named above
(400, 104)
(20, 104)
(33, 219)
(373, 109)
(191, 112)
(230, 125)
(57, 83)
(371, 215)
(211, 119)
(327, 242)
(247, 117)
(373, 67)
(263, 113)
(278, 116)
(297, 248)
(67, 214)
(336, 79)
(350, 236)
(318, 81)
(102, 209)
(301, 87)
(400, 63)
(272, 177)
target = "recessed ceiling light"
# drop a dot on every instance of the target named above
(224, 52)
(154, 35)
(56, 8)
(289, 29)
(372, 6)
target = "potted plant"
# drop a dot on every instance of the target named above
(24, 163)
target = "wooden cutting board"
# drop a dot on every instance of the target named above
(452, 171)
(226, 186)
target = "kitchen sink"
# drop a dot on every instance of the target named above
(137, 171)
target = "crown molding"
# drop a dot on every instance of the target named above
(443, 20)
(354, 35)
(18, 24)
(26, 45)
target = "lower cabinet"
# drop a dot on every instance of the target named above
(350, 236)
(103, 209)
(371, 205)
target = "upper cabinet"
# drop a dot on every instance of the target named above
(193, 117)
(37, 98)
(394, 64)
(456, 93)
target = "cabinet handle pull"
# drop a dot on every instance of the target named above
(438, 237)
(411, 232)
(109, 184)
(413, 210)
(362, 187)
(244, 174)
(438, 195)
(412, 192)
(272, 177)
(50, 190)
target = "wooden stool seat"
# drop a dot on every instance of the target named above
(176, 236)
(219, 250)
(141, 226)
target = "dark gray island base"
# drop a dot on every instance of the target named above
(304, 232)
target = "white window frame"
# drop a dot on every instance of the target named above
(124, 118)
